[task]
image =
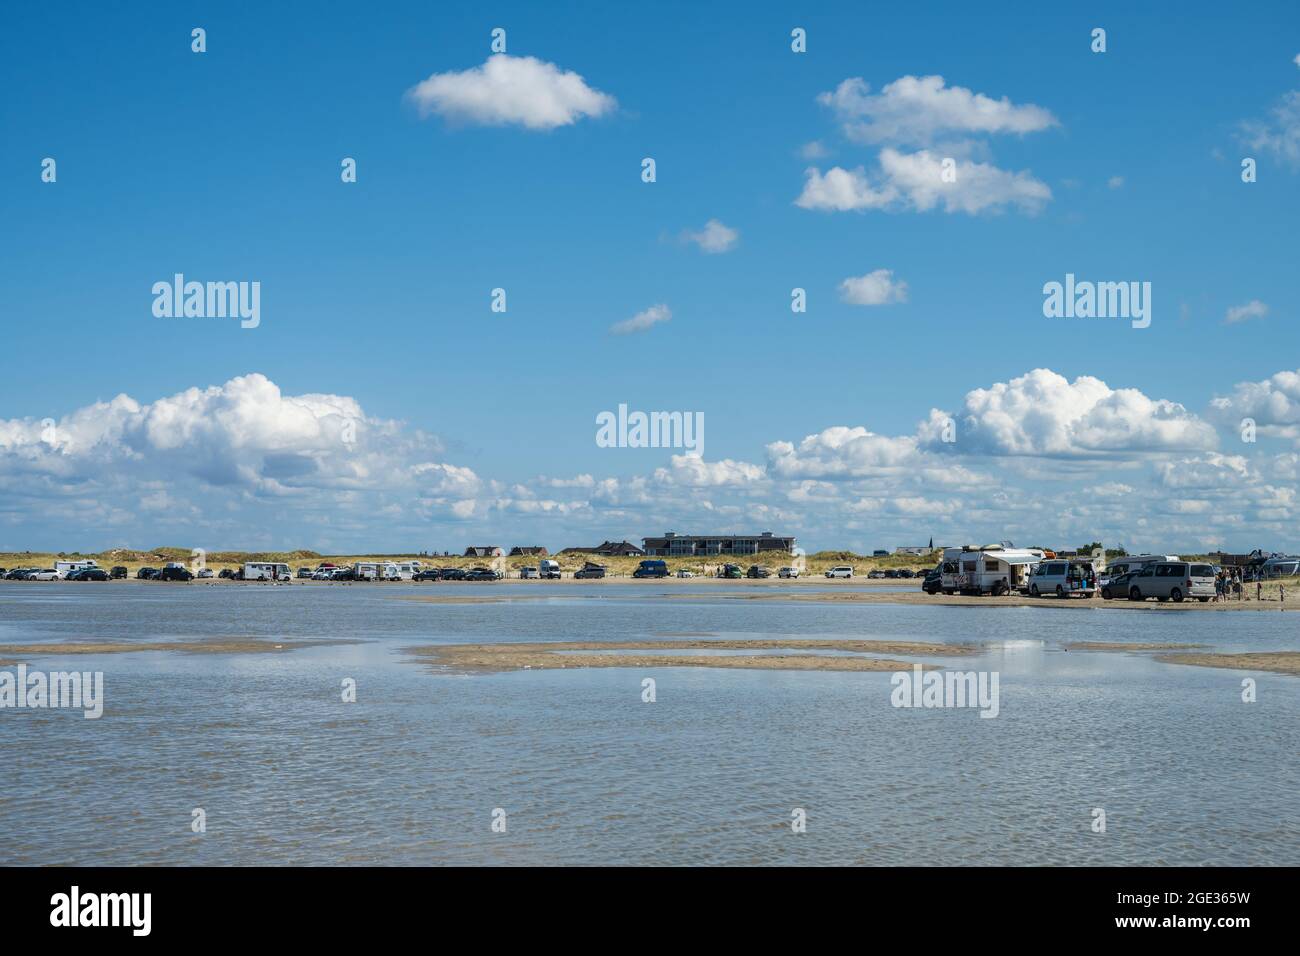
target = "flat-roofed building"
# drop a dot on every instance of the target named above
(673, 545)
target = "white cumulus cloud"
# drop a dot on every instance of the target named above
(511, 90)
(1254, 309)
(875, 288)
(714, 237)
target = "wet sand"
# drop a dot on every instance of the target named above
(248, 645)
(896, 598)
(544, 656)
(1278, 662)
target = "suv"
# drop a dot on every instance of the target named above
(840, 571)
(117, 573)
(175, 572)
(1172, 579)
(758, 571)
(730, 571)
(933, 582)
(788, 573)
(1063, 578)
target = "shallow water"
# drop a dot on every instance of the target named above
(587, 773)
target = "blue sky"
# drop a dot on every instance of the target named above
(225, 166)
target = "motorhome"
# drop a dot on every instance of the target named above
(266, 571)
(549, 570)
(369, 570)
(64, 568)
(406, 570)
(1132, 562)
(991, 569)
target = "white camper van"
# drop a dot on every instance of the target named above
(266, 571)
(550, 570)
(368, 571)
(407, 570)
(64, 568)
(995, 569)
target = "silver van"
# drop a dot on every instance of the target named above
(1176, 580)
(1063, 578)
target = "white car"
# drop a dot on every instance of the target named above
(45, 574)
(683, 573)
(204, 573)
(789, 573)
(840, 571)
(528, 573)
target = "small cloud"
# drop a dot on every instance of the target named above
(874, 288)
(1254, 309)
(511, 90)
(714, 237)
(1296, 61)
(814, 150)
(1115, 182)
(642, 320)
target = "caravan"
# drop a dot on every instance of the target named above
(64, 568)
(266, 571)
(995, 569)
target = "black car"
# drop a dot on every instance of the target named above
(88, 574)
(147, 574)
(933, 583)
(483, 574)
(1117, 587)
(758, 571)
(452, 574)
(175, 574)
(433, 574)
(590, 571)
(118, 573)
(906, 573)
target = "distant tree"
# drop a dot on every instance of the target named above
(1089, 548)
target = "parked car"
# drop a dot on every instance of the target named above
(204, 573)
(483, 574)
(651, 568)
(343, 574)
(305, 573)
(453, 574)
(1117, 586)
(1173, 580)
(88, 574)
(876, 575)
(175, 572)
(226, 573)
(1064, 578)
(788, 573)
(530, 574)
(43, 574)
(933, 582)
(117, 573)
(684, 573)
(730, 571)
(758, 571)
(431, 574)
(146, 574)
(841, 571)
(590, 570)
(549, 570)
(906, 573)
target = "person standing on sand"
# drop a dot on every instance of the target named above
(1259, 590)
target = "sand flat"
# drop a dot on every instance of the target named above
(1278, 662)
(545, 655)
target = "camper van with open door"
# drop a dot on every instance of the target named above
(995, 569)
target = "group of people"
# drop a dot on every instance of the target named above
(1229, 583)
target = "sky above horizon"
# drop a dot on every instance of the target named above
(381, 404)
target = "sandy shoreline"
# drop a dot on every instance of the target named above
(1277, 662)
